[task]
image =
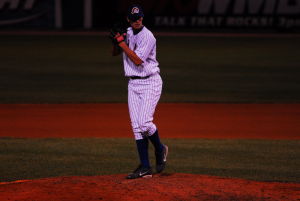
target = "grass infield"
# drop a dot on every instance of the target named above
(262, 160)
(80, 69)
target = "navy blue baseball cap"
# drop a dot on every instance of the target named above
(135, 12)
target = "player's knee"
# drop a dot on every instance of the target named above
(144, 126)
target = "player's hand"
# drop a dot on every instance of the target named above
(117, 37)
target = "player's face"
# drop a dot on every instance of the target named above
(137, 24)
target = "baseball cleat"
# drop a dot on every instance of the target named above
(140, 172)
(161, 159)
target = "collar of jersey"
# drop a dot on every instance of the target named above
(137, 31)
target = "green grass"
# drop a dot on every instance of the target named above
(262, 160)
(80, 69)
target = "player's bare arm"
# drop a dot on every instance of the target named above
(119, 45)
(131, 54)
(122, 46)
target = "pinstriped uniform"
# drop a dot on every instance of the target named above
(143, 94)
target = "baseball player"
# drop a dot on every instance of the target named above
(138, 46)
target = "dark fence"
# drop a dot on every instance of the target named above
(178, 14)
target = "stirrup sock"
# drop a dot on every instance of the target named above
(142, 147)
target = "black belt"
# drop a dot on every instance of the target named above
(138, 77)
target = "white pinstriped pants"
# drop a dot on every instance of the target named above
(143, 96)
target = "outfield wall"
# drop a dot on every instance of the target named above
(238, 15)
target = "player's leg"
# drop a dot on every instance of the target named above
(150, 92)
(150, 97)
(161, 152)
(134, 102)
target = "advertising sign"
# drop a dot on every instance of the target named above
(27, 13)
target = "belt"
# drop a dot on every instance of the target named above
(138, 77)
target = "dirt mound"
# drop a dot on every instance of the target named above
(160, 187)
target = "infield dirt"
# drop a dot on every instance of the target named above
(174, 120)
(160, 187)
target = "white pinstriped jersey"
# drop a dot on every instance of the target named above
(144, 45)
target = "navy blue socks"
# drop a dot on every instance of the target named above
(156, 142)
(142, 147)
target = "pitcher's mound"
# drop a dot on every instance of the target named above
(160, 187)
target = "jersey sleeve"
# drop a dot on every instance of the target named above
(145, 46)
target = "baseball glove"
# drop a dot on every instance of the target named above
(117, 33)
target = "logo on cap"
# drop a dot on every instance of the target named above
(135, 10)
